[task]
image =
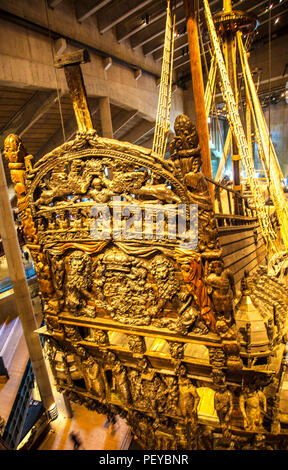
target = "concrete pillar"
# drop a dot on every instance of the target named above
(105, 116)
(22, 296)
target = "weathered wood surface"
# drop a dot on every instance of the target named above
(242, 251)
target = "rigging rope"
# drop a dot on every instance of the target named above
(239, 135)
(266, 148)
(56, 76)
(164, 102)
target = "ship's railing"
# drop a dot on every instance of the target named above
(226, 200)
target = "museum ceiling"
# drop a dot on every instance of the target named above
(140, 25)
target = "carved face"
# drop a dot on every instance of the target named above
(183, 125)
(160, 268)
(11, 147)
(218, 268)
(77, 262)
(96, 184)
(186, 269)
(161, 271)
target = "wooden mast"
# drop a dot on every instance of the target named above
(198, 86)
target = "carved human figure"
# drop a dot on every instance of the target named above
(58, 272)
(120, 378)
(93, 377)
(136, 344)
(79, 282)
(163, 272)
(136, 385)
(252, 405)
(98, 191)
(19, 164)
(43, 273)
(223, 403)
(221, 286)
(173, 395)
(186, 155)
(188, 397)
(191, 270)
(15, 152)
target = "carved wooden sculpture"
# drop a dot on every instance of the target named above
(135, 282)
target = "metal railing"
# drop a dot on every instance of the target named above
(12, 432)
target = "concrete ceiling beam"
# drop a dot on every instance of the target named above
(124, 31)
(179, 43)
(156, 29)
(28, 114)
(138, 132)
(86, 8)
(118, 11)
(122, 119)
(57, 139)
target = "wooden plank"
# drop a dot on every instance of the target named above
(238, 268)
(236, 257)
(237, 246)
(250, 267)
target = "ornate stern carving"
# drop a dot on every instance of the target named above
(136, 319)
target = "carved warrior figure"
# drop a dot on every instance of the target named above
(191, 270)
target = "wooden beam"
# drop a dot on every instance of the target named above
(54, 3)
(105, 117)
(118, 11)
(86, 8)
(198, 88)
(29, 114)
(74, 77)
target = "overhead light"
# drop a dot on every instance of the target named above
(277, 20)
